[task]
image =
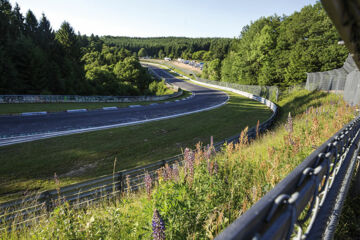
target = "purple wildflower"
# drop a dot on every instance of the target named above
(216, 167)
(164, 174)
(168, 171)
(209, 167)
(148, 183)
(207, 153)
(289, 125)
(158, 226)
(210, 151)
(189, 158)
(175, 172)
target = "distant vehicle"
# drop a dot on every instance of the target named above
(167, 59)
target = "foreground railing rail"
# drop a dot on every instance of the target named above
(20, 212)
(307, 203)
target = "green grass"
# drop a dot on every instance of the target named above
(15, 108)
(349, 221)
(161, 64)
(199, 204)
(31, 166)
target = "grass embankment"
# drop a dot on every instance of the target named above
(15, 108)
(31, 166)
(210, 193)
(167, 66)
(349, 222)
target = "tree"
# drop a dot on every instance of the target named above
(67, 39)
(161, 54)
(142, 52)
(280, 50)
(31, 24)
(212, 70)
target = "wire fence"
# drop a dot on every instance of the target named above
(27, 210)
(344, 80)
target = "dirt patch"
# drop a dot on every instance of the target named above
(187, 67)
(79, 171)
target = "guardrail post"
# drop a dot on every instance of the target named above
(48, 202)
(120, 179)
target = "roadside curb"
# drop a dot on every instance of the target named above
(33, 113)
(110, 108)
(76, 110)
(103, 108)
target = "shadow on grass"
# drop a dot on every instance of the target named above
(299, 104)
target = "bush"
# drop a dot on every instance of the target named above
(159, 88)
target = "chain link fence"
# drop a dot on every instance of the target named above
(344, 80)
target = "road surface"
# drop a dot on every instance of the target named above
(17, 129)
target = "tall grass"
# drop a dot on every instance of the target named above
(200, 199)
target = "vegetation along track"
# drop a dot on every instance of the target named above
(29, 167)
(17, 129)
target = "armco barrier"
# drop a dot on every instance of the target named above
(307, 203)
(76, 98)
(28, 209)
(269, 92)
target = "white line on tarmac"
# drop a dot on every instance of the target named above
(22, 139)
(33, 113)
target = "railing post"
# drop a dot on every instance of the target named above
(48, 202)
(121, 180)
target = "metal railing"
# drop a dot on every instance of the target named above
(307, 203)
(313, 193)
(82, 99)
(269, 92)
(18, 212)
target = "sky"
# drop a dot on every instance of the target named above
(154, 18)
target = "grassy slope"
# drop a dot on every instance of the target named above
(349, 222)
(58, 107)
(201, 205)
(31, 166)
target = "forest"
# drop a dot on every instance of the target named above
(274, 50)
(205, 49)
(35, 59)
(280, 50)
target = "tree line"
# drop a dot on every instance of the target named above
(280, 50)
(35, 59)
(174, 47)
(272, 50)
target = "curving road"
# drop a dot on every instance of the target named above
(18, 129)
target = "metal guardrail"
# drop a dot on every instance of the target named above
(310, 198)
(82, 99)
(22, 211)
(269, 92)
(307, 203)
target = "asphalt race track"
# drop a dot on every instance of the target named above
(17, 129)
